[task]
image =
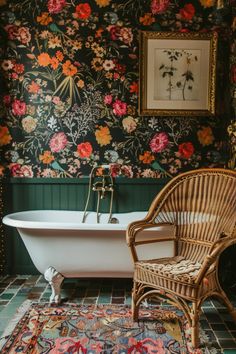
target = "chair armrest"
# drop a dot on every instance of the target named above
(138, 226)
(217, 248)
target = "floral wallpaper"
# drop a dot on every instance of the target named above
(70, 76)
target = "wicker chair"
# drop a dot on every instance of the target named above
(201, 205)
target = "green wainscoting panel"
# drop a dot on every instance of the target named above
(66, 194)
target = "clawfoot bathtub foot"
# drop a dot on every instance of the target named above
(55, 279)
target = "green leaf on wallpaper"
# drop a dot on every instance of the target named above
(53, 27)
(56, 166)
(156, 166)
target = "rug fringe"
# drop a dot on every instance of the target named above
(20, 312)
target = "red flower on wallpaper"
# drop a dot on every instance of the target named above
(186, 150)
(55, 6)
(84, 150)
(133, 88)
(187, 12)
(18, 108)
(82, 11)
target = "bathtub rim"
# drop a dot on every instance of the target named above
(16, 220)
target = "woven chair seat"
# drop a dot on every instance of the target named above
(178, 268)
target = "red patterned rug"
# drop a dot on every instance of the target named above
(71, 328)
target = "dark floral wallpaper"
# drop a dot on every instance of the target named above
(69, 81)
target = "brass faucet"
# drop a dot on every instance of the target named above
(103, 187)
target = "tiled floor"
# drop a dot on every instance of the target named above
(15, 290)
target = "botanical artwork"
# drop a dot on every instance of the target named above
(177, 76)
(69, 92)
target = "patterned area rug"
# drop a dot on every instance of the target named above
(71, 328)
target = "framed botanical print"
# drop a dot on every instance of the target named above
(177, 73)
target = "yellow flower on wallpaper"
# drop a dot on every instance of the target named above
(5, 136)
(103, 136)
(205, 136)
(207, 3)
(103, 3)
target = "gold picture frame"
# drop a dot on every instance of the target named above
(177, 73)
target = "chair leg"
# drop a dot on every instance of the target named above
(195, 326)
(135, 308)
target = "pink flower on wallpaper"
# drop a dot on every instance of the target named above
(108, 99)
(23, 35)
(114, 32)
(58, 142)
(126, 35)
(15, 169)
(119, 108)
(158, 6)
(55, 6)
(84, 149)
(18, 170)
(159, 142)
(18, 108)
(12, 31)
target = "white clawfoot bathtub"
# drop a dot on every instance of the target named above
(60, 245)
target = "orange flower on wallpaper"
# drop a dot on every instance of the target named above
(33, 87)
(54, 63)
(2, 167)
(147, 19)
(103, 3)
(207, 3)
(69, 69)
(44, 19)
(59, 55)
(205, 136)
(46, 157)
(5, 136)
(147, 157)
(44, 59)
(103, 136)
(99, 33)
